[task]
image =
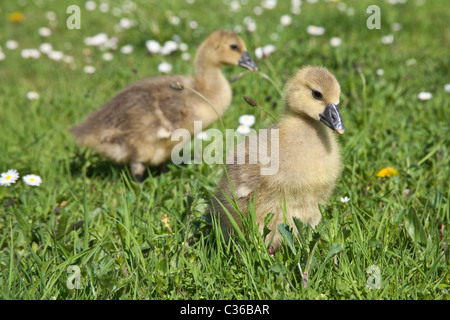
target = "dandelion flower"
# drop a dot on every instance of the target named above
(16, 17)
(9, 177)
(247, 120)
(45, 32)
(164, 67)
(315, 30)
(335, 41)
(89, 69)
(425, 96)
(243, 129)
(32, 95)
(387, 172)
(32, 180)
(345, 199)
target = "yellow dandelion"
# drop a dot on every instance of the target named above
(387, 172)
(16, 17)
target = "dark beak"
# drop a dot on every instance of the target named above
(332, 118)
(247, 62)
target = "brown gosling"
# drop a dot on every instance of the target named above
(309, 161)
(135, 127)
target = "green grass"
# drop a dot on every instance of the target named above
(152, 240)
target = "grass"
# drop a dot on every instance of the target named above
(152, 240)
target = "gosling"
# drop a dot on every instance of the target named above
(135, 127)
(309, 161)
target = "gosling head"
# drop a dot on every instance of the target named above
(223, 48)
(314, 92)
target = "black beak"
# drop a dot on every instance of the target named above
(247, 62)
(332, 118)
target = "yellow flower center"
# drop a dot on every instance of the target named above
(8, 177)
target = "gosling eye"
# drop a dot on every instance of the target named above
(317, 95)
(234, 47)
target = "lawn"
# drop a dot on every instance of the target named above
(89, 231)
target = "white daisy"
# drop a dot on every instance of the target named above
(2, 56)
(164, 67)
(56, 55)
(46, 47)
(315, 30)
(286, 20)
(380, 72)
(9, 177)
(193, 24)
(90, 5)
(30, 53)
(32, 95)
(169, 47)
(153, 46)
(186, 56)
(269, 4)
(388, 39)
(425, 96)
(12, 44)
(126, 49)
(108, 56)
(247, 120)
(447, 87)
(32, 180)
(335, 41)
(202, 135)
(345, 199)
(126, 23)
(89, 69)
(45, 32)
(243, 129)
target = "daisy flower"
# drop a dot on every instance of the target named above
(30, 53)
(315, 30)
(243, 129)
(32, 180)
(447, 87)
(153, 46)
(202, 135)
(164, 67)
(2, 56)
(345, 199)
(107, 56)
(89, 69)
(247, 120)
(335, 41)
(45, 32)
(9, 177)
(126, 49)
(32, 95)
(12, 44)
(424, 96)
(286, 20)
(388, 39)
(387, 172)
